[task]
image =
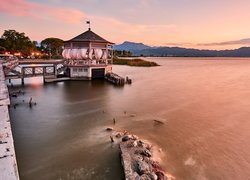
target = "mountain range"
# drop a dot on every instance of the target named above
(140, 49)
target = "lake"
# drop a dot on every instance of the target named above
(203, 102)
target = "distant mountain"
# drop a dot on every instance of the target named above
(184, 52)
(131, 46)
(139, 49)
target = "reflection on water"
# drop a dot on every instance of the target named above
(204, 104)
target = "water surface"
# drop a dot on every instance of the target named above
(204, 103)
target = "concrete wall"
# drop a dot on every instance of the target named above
(77, 72)
(80, 72)
(8, 164)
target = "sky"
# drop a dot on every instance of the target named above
(203, 24)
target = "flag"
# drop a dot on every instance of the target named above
(88, 22)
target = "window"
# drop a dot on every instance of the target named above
(74, 70)
(85, 70)
(80, 70)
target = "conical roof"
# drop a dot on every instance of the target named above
(89, 36)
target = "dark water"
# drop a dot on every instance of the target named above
(204, 103)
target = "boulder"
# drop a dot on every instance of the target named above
(161, 175)
(129, 137)
(118, 135)
(143, 167)
(145, 177)
(143, 144)
(152, 176)
(109, 129)
(144, 152)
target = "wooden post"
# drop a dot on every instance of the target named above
(22, 81)
(34, 71)
(55, 70)
(22, 76)
(44, 71)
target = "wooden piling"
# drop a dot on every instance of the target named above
(115, 79)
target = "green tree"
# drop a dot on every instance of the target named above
(53, 46)
(14, 41)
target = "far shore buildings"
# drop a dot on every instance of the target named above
(88, 56)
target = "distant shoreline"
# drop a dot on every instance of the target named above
(141, 57)
(185, 57)
(140, 49)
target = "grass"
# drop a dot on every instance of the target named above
(134, 62)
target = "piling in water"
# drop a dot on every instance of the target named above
(115, 79)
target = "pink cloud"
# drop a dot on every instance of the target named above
(22, 8)
(16, 7)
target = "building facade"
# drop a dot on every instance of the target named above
(88, 56)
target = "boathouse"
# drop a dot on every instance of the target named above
(88, 56)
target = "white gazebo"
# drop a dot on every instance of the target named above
(88, 56)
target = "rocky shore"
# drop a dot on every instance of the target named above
(137, 157)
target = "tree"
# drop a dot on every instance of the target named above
(122, 53)
(53, 46)
(2, 50)
(14, 41)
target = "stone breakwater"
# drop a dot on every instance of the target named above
(137, 157)
(8, 164)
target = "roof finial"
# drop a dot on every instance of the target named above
(88, 22)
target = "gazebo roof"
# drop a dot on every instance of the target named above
(89, 36)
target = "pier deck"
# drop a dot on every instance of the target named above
(8, 164)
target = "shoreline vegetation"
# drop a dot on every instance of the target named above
(134, 62)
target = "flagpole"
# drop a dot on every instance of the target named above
(88, 22)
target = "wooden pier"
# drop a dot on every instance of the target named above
(8, 164)
(48, 69)
(51, 71)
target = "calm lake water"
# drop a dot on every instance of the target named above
(204, 103)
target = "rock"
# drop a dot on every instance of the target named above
(143, 167)
(143, 145)
(161, 175)
(118, 135)
(129, 137)
(145, 177)
(135, 144)
(144, 152)
(152, 176)
(133, 176)
(135, 137)
(147, 159)
(126, 138)
(156, 165)
(109, 129)
(130, 143)
(139, 158)
(140, 143)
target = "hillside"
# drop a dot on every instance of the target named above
(139, 49)
(131, 46)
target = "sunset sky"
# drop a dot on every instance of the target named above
(206, 24)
